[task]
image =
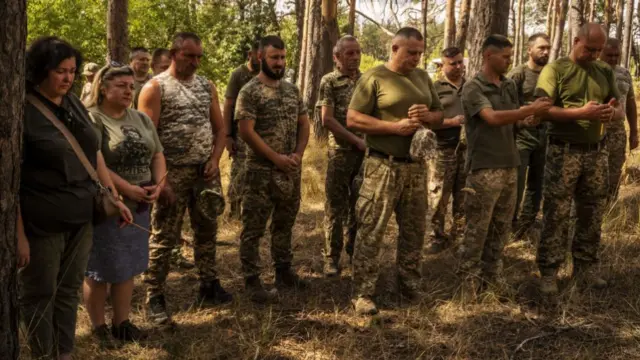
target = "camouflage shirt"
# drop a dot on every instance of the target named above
(335, 92)
(275, 111)
(624, 82)
(184, 128)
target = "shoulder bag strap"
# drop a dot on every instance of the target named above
(67, 134)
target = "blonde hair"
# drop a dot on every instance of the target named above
(103, 76)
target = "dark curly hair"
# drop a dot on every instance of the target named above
(44, 55)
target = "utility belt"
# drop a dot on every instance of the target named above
(379, 154)
(578, 147)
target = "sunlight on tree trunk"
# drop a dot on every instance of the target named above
(559, 32)
(592, 11)
(627, 33)
(314, 64)
(117, 31)
(519, 34)
(550, 8)
(300, 13)
(13, 37)
(351, 29)
(607, 16)
(576, 20)
(450, 24)
(307, 28)
(619, 16)
(463, 24)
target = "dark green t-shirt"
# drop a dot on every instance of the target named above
(526, 80)
(570, 85)
(239, 78)
(449, 96)
(489, 147)
(387, 95)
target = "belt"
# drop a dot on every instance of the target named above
(379, 154)
(580, 147)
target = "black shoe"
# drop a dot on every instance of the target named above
(157, 310)
(257, 292)
(285, 277)
(126, 331)
(213, 293)
(104, 337)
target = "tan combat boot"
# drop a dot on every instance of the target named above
(364, 306)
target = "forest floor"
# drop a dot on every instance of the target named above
(320, 324)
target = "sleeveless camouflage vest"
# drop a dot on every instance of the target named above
(185, 128)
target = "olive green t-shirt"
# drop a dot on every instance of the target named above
(239, 78)
(137, 88)
(570, 85)
(526, 80)
(449, 96)
(488, 146)
(387, 95)
(128, 144)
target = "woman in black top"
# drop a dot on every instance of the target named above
(56, 200)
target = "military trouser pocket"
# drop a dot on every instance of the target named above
(372, 170)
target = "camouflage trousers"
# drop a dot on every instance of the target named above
(268, 193)
(578, 175)
(489, 208)
(447, 179)
(617, 147)
(234, 189)
(166, 226)
(341, 187)
(390, 187)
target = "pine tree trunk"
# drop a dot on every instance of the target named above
(576, 20)
(592, 11)
(550, 8)
(330, 33)
(519, 33)
(627, 34)
(619, 17)
(557, 41)
(117, 31)
(352, 18)
(450, 24)
(554, 18)
(13, 37)
(463, 24)
(314, 64)
(490, 17)
(299, 9)
(607, 17)
(304, 46)
(425, 10)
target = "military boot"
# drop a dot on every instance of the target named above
(285, 277)
(548, 283)
(331, 268)
(212, 293)
(256, 292)
(364, 306)
(157, 310)
(588, 276)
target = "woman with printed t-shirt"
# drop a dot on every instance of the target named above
(55, 220)
(133, 154)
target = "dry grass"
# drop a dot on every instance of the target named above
(319, 324)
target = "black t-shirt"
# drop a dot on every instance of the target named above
(56, 192)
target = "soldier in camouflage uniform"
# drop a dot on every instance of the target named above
(584, 93)
(389, 103)
(530, 141)
(235, 146)
(491, 107)
(346, 151)
(616, 133)
(272, 121)
(185, 109)
(447, 171)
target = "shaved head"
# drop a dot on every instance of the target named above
(407, 47)
(588, 43)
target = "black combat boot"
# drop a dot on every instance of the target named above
(157, 310)
(285, 277)
(256, 292)
(212, 293)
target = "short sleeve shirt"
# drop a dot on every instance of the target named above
(489, 147)
(239, 78)
(625, 83)
(570, 85)
(526, 80)
(137, 88)
(336, 90)
(275, 111)
(387, 95)
(128, 144)
(56, 192)
(449, 96)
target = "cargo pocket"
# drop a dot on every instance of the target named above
(209, 201)
(371, 169)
